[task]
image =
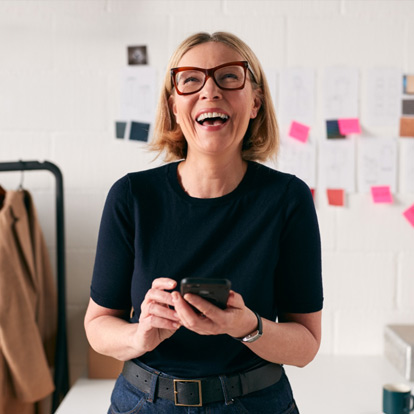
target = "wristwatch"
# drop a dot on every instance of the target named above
(256, 334)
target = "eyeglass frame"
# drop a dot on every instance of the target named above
(209, 73)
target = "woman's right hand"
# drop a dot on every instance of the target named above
(158, 320)
(110, 333)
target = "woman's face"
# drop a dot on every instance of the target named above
(218, 137)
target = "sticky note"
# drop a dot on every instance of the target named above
(332, 129)
(409, 215)
(381, 194)
(313, 193)
(299, 131)
(336, 197)
(349, 126)
(407, 127)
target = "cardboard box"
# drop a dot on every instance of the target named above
(399, 348)
(103, 367)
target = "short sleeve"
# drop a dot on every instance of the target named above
(114, 261)
(299, 271)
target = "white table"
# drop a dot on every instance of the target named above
(342, 384)
(87, 396)
(330, 384)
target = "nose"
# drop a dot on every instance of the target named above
(210, 90)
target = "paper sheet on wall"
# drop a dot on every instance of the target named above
(407, 165)
(299, 159)
(337, 165)
(383, 92)
(341, 93)
(377, 163)
(138, 94)
(297, 96)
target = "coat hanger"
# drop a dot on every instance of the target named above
(20, 188)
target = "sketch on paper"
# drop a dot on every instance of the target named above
(298, 159)
(377, 163)
(297, 96)
(138, 93)
(383, 97)
(341, 93)
(337, 165)
(138, 102)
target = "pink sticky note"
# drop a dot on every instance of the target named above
(349, 126)
(409, 214)
(336, 197)
(313, 193)
(381, 194)
(299, 131)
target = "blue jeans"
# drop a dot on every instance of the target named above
(276, 399)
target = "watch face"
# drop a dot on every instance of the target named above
(252, 337)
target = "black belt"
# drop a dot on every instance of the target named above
(196, 392)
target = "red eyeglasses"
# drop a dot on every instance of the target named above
(229, 76)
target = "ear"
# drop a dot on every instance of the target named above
(257, 103)
(173, 107)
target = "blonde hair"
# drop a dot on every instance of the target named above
(261, 140)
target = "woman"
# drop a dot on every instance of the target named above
(214, 214)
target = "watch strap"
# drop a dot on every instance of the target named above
(256, 334)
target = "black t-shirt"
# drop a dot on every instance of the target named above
(263, 237)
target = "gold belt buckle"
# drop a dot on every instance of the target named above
(176, 393)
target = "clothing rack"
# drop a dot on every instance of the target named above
(61, 375)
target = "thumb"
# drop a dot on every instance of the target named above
(235, 300)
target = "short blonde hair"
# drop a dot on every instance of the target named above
(261, 140)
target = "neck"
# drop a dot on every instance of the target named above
(210, 178)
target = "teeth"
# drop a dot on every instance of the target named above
(206, 115)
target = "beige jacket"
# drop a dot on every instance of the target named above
(28, 308)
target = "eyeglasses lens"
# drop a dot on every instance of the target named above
(228, 77)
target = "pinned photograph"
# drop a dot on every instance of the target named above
(408, 106)
(408, 84)
(120, 129)
(137, 55)
(139, 131)
(406, 127)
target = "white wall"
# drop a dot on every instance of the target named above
(60, 94)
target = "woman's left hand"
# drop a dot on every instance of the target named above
(236, 320)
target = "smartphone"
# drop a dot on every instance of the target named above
(215, 291)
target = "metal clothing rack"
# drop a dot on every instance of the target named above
(61, 375)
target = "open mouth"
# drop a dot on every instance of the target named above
(212, 118)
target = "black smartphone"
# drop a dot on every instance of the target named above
(215, 291)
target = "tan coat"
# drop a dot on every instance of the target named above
(28, 306)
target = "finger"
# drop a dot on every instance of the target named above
(158, 295)
(151, 321)
(235, 300)
(203, 324)
(185, 312)
(204, 306)
(180, 305)
(156, 309)
(164, 283)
